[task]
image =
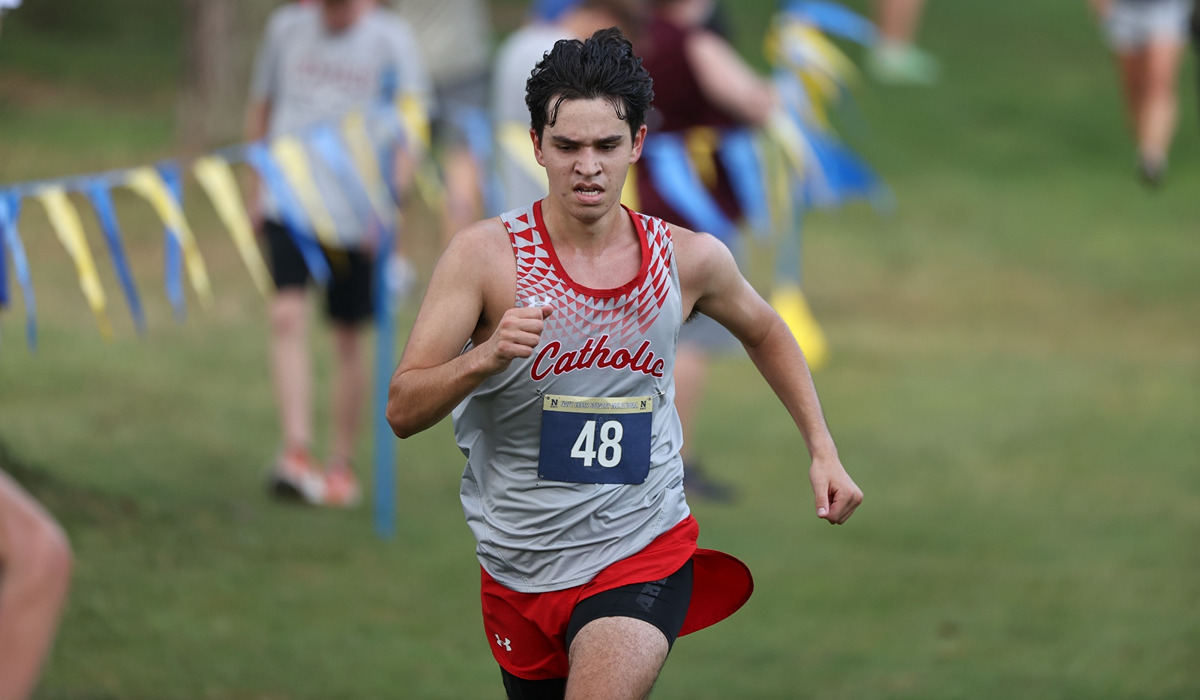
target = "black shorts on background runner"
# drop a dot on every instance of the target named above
(348, 297)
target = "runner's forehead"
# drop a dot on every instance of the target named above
(588, 120)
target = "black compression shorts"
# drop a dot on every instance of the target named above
(663, 604)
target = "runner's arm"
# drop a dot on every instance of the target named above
(728, 81)
(434, 375)
(256, 126)
(723, 293)
(36, 561)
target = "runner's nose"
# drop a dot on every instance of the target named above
(587, 164)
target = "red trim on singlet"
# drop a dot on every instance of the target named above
(527, 631)
(629, 286)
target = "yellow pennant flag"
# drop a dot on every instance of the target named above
(629, 191)
(701, 143)
(366, 162)
(416, 123)
(817, 86)
(419, 143)
(516, 147)
(822, 79)
(790, 139)
(832, 60)
(790, 304)
(216, 177)
(65, 220)
(779, 195)
(292, 159)
(146, 182)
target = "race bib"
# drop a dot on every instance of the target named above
(589, 440)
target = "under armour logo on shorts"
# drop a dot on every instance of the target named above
(506, 643)
(649, 594)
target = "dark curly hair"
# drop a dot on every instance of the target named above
(603, 66)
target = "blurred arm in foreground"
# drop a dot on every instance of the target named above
(35, 570)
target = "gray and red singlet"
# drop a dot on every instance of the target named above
(573, 453)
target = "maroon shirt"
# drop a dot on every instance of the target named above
(679, 105)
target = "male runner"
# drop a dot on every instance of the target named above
(549, 332)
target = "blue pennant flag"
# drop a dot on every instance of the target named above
(3, 256)
(294, 220)
(328, 145)
(173, 263)
(384, 302)
(788, 266)
(551, 10)
(739, 154)
(476, 125)
(843, 175)
(680, 186)
(98, 193)
(385, 126)
(10, 212)
(832, 18)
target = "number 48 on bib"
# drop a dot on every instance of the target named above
(590, 440)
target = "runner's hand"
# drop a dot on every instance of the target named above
(836, 493)
(517, 334)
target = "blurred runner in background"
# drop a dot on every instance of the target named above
(1148, 37)
(700, 84)
(896, 58)
(455, 37)
(318, 62)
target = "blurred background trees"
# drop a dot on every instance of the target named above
(219, 40)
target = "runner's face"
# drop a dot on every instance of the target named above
(587, 153)
(340, 15)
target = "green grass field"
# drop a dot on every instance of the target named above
(1014, 382)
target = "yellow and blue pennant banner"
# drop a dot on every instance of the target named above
(357, 150)
(806, 164)
(795, 163)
